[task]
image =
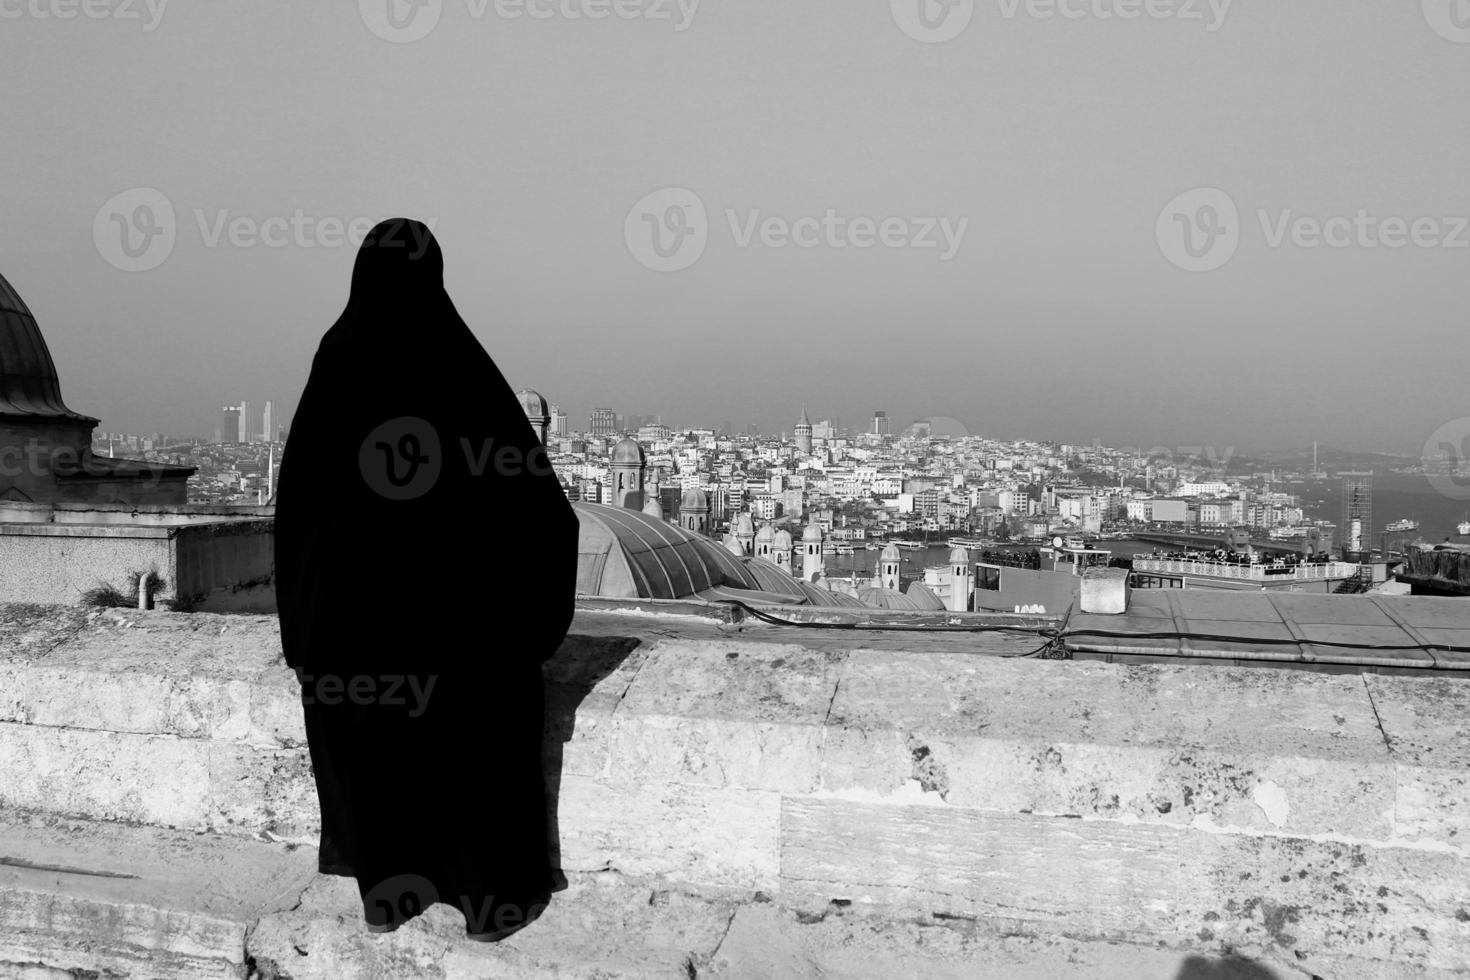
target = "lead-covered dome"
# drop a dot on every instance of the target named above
(628, 452)
(533, 404)
(29, 386)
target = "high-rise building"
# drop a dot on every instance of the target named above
(881, 426)
(244, 430)
(604, 422)
(268, 429)
(229, 430)
(559, 424)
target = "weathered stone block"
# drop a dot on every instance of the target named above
(744, 715)
(1099, 740)
(696, 834)
(1426, 724)
(1078, 876)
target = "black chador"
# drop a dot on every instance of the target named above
(425, 569)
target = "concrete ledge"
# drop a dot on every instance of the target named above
(1322, 820)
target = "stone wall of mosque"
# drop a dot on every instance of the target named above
(1320, 821)
(219, 564)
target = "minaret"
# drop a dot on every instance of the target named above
(653, 504)
(627, 474)
(811, 552)
(804, 434)
(765, 540)
(694, 511)
(959, 580)
(744, 531)
(536, 412)
(889, 562)
(781, 551)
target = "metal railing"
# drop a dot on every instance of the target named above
(1249, 573)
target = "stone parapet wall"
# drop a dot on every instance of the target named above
(1321, 817)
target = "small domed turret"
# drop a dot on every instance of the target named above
(628, 453)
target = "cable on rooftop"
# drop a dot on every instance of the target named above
(1058, 635)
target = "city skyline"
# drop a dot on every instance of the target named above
(1052, 155)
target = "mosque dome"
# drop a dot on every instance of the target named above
(29, 386)
(732, 545)
(628, 453)
(744, 525)
(891, 553)
(653, 508)
(533, 404)
(782, 540)
(813, 533)
(765, 535)
(626, 553)
(959, 556)
(693, 499)
(923, 598)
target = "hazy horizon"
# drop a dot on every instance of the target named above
(1054, 146)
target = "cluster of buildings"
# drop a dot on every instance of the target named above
(874, 484)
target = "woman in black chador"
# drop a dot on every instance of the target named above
(425, 568)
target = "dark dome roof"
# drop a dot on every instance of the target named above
(628, 452)
(28, 383)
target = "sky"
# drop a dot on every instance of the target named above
(991, 201)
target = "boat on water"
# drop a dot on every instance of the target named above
(1463, 528)
(970, 544)
(1402, 525)
(904, 545)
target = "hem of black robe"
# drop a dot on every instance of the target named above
(525, 899)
